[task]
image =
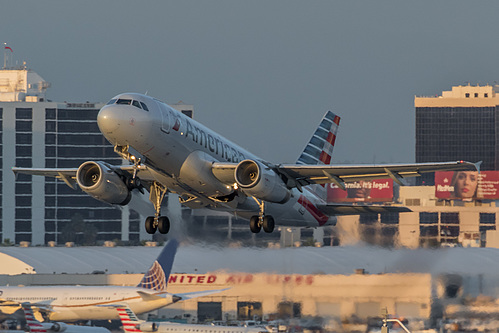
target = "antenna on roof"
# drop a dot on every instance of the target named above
(6, 49)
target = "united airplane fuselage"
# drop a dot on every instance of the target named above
(73, 303)
(180, 152)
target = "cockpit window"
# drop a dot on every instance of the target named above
(112, 101)
(124, 101)
(144, 106)
(136, 104)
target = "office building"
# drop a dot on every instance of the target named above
(461, 124)
(40, 133)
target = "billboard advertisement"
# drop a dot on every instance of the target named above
(379, 190)
(467, 185)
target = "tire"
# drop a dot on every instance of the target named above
(163, 224)
(150, 228)
(254, 227)
(268, 224)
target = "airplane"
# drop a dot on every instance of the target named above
(35, 326)
(75, 303)
(169, 151)
(131, 324)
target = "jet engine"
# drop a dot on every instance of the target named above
(101, 182)
(57, 327)
(263, 183)
(148, 327)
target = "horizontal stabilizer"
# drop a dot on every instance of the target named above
(357, 209)
(148, 297)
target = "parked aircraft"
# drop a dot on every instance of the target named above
(131, 324)
(35, 326)
(169, 151)
(73, 303)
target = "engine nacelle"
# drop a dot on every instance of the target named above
(148, 327)
(256, 180)
(101, 182)
(57, 327)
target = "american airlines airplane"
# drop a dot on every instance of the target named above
(74, 303)
(34, 326)
(131, 324)
(168, 151)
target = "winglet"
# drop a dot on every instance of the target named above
(158, 274)
(477, 165)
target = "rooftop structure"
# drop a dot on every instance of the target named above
(22, 85)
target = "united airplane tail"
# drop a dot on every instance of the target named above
(319, 149)
(157, 276)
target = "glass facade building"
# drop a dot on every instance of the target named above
(462, 124)
(39, 209)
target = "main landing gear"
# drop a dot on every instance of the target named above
(257, 222)
(157, 222)
(156, 193)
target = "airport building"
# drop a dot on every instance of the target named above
(335, 287)
(461, 124)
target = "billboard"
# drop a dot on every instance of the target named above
(379, 190)
(467, 185)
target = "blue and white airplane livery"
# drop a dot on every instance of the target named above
(75, 303)
(169, 151)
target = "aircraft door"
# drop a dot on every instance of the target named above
(165, 117)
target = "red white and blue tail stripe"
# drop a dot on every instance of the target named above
(319, 149)
(128, 319)
(33, 324)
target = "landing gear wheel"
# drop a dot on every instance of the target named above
(255, 224)
(268, 224)
(163, 224)
(150, 227)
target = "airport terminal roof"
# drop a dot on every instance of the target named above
(202, 259)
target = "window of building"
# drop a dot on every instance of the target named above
(449, 218)
(476, 95)
(467, 95)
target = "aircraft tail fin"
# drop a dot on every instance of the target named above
(33, 324)
(157, 276)
(319, 149)
(130, 322)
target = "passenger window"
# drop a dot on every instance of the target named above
(124, 101)
(144, 106)
(111, 101)
(136, 104)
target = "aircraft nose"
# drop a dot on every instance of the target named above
(108, 119)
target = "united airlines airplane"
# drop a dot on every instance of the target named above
(74, 303)
(168, 151)
(34, 326)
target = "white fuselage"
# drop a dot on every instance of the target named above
(165, 327)
(180, 151)
(73, 303)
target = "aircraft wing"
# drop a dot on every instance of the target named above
(345, 209)
(299, 175)
(195, 294)
(68, 175)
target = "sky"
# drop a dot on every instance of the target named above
(263, 73)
